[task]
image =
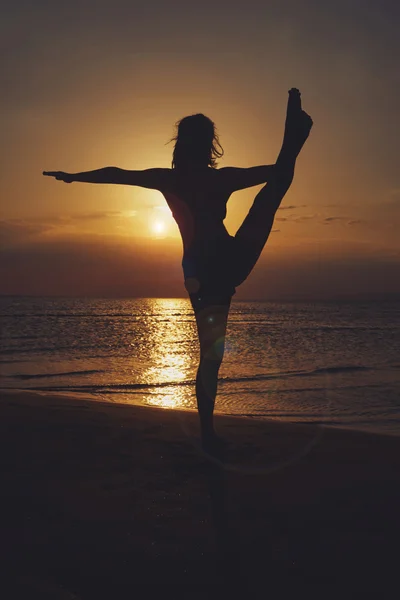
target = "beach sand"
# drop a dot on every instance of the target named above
(113, 501)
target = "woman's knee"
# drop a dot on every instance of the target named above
(211, 326)
(212, 353)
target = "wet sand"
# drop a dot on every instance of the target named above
(115, 501)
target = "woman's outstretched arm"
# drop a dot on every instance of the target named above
(241, 178)
(149, 178)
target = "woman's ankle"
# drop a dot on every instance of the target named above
(208, 432)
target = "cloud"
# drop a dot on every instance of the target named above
(329, 220)
(349, 222)
(294, 218)
(293, 206)
(26, 231)
(19, 231)
(355, 222)
(301, 218)
(324, 221)
(95, 216)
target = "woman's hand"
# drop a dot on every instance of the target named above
(59, 175)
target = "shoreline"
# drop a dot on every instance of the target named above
(103, 500)
(92, 398)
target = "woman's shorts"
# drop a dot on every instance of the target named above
(211, 272)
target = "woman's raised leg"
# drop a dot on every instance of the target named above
(255, 229)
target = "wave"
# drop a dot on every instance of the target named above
(9, 362)
(277, 326)
(47, 375)
(46, 315)
(344, 369)
(381, 425)
(224, 380)
(117, 386)
(293, 390)
(320, 371)
(47, 350)
(22, 337)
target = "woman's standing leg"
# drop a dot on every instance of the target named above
(211, 319)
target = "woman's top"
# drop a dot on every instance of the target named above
(198, 199)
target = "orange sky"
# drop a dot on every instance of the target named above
(106, 88)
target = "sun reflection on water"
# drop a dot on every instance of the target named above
(167, 361)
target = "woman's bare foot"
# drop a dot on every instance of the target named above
(213, 444)
(293, 111)
(297, 126)
(293, 105)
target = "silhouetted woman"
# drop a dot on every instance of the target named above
(214, 262)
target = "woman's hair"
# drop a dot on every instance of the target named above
(196, 142)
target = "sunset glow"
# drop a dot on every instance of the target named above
(94, 104)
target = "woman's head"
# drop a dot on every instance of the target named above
(196, 142)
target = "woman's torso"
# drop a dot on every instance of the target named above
(198, 199)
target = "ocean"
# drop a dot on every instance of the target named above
(333, 363)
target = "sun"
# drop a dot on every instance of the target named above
(158, 227)
(161, 223)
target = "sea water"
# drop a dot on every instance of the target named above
(331, 363)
